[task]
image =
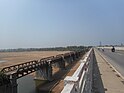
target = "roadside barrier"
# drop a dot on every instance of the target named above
(81, 80)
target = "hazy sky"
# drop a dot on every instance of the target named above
(48, 23)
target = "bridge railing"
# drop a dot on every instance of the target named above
(15, 67)
(81, 80)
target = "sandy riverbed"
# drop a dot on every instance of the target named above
(11, 58)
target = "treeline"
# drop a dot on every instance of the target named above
(68, 48)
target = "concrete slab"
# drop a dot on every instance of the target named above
(110, 81)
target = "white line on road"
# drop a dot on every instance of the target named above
(111, 65)
(119, 54)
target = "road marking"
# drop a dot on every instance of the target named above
(111, 65)
(119, 54)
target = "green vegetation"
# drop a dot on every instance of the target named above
(68, 48)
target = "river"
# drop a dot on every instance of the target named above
(26, 84)
(2, 61)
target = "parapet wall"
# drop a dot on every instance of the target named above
(81, 80)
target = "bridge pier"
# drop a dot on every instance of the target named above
(74, 57)
(61, 64)
(69, 60)
(44, 73)
(48, 71)
(6, 88)
(10, 84)
(14, 85)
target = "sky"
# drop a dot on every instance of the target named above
(54, 23)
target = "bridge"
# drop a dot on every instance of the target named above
(44, 66)
(99, 71)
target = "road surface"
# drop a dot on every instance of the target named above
(116, 59)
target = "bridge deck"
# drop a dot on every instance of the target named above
(106, 81)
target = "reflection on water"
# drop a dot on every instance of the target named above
(26, 84)
(2, 61)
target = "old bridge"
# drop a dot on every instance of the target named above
(9, 75)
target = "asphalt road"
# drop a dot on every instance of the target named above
(116, 59)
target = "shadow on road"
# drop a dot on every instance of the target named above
(97, 81)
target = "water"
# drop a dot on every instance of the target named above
(26, 84)
(2, 61)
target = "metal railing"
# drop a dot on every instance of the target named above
(81, 80)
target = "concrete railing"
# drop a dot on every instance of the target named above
(81, 80)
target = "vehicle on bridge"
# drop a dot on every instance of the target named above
(103, 49)
(113, 49)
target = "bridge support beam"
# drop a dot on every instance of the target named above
(8, 84)
(6, 88)
(69, 60)
(62, 65)
(9, 88)
(48, 71)
(14, 85)
(44, 73)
